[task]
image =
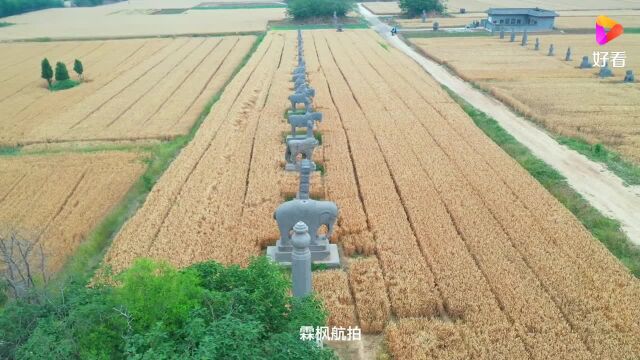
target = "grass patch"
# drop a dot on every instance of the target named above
(606, 230)
(321, 168)
(9, 151)
(239, 7)
(5, 24)
(84, 262)
(64, 85)
(440, 34)
(627, 171)
(632, 30)
(319, 23)
(384, 46)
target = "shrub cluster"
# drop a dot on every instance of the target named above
(304, 9)
(415, 7)
(206, 311)
(13, 7)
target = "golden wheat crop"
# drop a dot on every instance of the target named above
(467, 253)
(55, 200)
(548, 89)
(133, 89)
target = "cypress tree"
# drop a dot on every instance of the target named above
(78, 68)
(61, 72)
(46, 70)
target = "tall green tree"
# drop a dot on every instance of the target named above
(78, 68)
(304, 9)
(46, 72)
(61, 72)
(414, 8)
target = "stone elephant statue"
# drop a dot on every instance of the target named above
(314, 213)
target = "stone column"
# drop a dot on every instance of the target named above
(301, 260)
(305, 180)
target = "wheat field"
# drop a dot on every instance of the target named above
(56, 200)
(554, 92)
(452, 242)
(133, 89)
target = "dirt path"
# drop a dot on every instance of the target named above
(603, 189)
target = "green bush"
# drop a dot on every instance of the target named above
(304, 9)
(61, 72)
(13, 7)
(415, 7)
(46, 72)
(88, 2)
(63, 85)
(207, 311)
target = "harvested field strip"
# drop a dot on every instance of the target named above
(60, 198)
(528, 232)
(140, 232)
(367, 283)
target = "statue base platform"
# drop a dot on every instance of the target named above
(296, 167)
(329, 256)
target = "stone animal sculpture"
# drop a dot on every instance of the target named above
(605, 71)
(585, 64)
(297, 76)
(305, 90)
(299, 81)
(305, 120)
(297, 146)
(300, 99)
(314, 213)
(629, 77)
(299, 70)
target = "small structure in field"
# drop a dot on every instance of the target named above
(502, 32)
(629, 77)
(525, 38)
(513, 35)
(585, 64)
(436, 26)
(301, 261)
(297, 146)
(605, 71)
(521, 19)
(567, 57)
(552, 50)
(424, 16)
(316, 215)
(537, 45)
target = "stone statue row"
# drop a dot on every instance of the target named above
(604, 72)
(301, 220)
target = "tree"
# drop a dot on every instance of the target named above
(61, 72)
(78, 68)
(46, 70)
(414, 8)
(304, 9)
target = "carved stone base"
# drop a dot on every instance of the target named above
(296, 167)
(328, 256)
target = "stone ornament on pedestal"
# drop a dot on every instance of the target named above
(301, 261)
(552, 50)
(605, 71)
(299, 147)
(567, 57)
(513, 35)
(629, 77)
(585, 64)
(525, 38)
(537, 45)
(501, 32)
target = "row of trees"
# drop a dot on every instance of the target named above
(13, 7)
(61, 74)
(413, 8)
(305, 9)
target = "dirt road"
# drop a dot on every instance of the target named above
(603, 189)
